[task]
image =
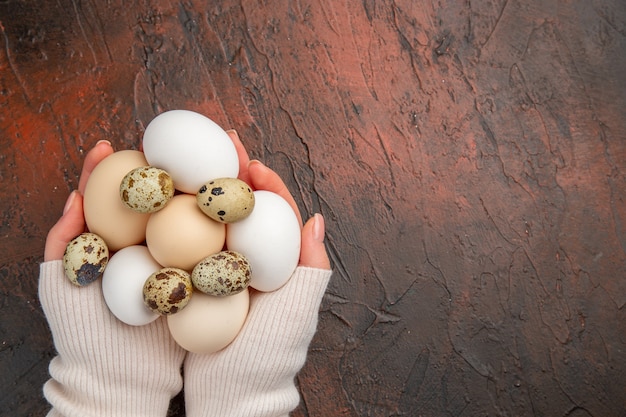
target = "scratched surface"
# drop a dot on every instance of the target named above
(469, 158)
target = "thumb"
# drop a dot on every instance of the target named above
(70, 225)
(313, 252)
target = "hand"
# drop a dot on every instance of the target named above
(255, 374)
(260, 177)
(72, 222)
(103, 367)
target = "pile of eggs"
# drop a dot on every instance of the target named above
(172, 232)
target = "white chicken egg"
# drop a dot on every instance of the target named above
(192, 148)
(269, 238)
(122, 284)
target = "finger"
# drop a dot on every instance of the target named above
(70, 225)
(263, 178)
(313, 252)
(102, 149)
(242, 154)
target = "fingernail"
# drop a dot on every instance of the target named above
(234, 132)
(69, 202)
(318, 227)
(256, 162)
(103, 141)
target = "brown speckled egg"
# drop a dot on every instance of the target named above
(146, 189)
(85, 258)
(226, 200)
(167, 291)
(224, 273)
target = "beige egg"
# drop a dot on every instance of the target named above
(146, 189)
(224, 273)
(226, 200)
(105, 214)
(167, 291)
(209, 324)
(180, 235)
(85, 258)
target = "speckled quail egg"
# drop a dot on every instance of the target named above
(226, 200)
(167, 291)
(221, 274)
(85, 258)
(146, 189)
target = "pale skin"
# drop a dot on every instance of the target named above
(72, 223)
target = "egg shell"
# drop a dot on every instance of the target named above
(208, 323)
(146, 189)
(192, 148)
(105, 214)
(85, 258)
(123, 281)
(181, 235)
(226, 200)
(167, 291)
(224, 273)
(269, 238)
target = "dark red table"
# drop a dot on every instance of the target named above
(469, 158)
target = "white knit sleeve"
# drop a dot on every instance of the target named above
(104, 367)
(255, 375)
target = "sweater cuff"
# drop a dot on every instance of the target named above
(255, 374)
(103, 366)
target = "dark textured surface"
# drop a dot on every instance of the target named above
(469, 158)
